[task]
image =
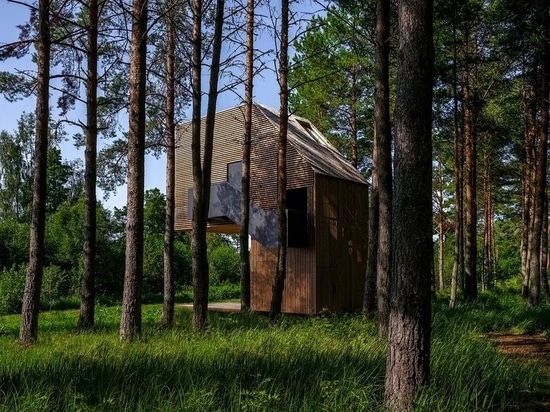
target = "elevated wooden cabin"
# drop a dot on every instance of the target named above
(326, 209)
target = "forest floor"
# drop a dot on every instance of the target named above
(531, 349)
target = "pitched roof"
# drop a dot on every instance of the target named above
(314, 147)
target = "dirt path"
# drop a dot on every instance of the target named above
(530, 349)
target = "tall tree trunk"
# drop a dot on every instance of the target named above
(245, 171)
(28, 331)
(458, 264)
(488, 237)
(408, 360)
(200, 212)
(529, 115)
(353, 117)
(544, 250)
(369, 294)
(383, 142)
(440, 229)
(279, 282)
(87, 288)
(169, 292)
(470, 181)
(130, 323)
(541, 172)
(202, 175)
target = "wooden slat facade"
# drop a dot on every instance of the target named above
(329, 272)
(227, 148)
(341, 221)
(299, 291)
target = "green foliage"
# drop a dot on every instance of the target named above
(508, 239)
(154, 211)
(12, 284)
(332, 75)
(14, 242)
(224, 265)
(57, 284)
(225, 292)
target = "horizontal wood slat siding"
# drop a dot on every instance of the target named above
(341, 238)
(228, 134)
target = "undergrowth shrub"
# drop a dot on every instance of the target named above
(12, 284)
(224, 265)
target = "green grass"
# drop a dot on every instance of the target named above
(241, 363)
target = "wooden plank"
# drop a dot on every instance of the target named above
(341, 236)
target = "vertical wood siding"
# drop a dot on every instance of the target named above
(341, 238)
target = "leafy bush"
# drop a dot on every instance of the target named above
(225, 291)
(182, 263)
(224, 265)
(57, 285)
(12, 285)
(14, 242)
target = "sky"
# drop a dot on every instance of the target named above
(266, 91)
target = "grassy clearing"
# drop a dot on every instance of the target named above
(243, 364)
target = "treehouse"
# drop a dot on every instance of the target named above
(326, 209)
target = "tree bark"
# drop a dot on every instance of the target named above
(169, 292)
(87, 288)
(280, 275)
(440, 229)
(130, 323)
(408, 360)
(470, 191)
(383, 142)
(28, 331)
(488, 230)
(544, 251)
(458, 150)
(541, 169)
(198, 233)
(369, 295)
(529, 115)
(245, 171)
(202, 175)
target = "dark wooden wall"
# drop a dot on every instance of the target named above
(299, 292)
(341, 215)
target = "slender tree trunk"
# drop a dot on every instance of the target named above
(87, 288)
(369, 295)
(470, 179)
(245, 171)
(458, 264)
(408, 360)
(169, 292)
(440, 229)
(130, 323)
(528, 181)
(488, 257)
(279, 282)
(353, 117)
(383, 141)
(541, 171)
(544, 250)
(28, 331)
(200, 212)
(202, 172)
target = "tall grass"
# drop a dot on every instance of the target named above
(241, 363)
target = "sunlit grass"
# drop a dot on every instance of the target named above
(242, 363)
